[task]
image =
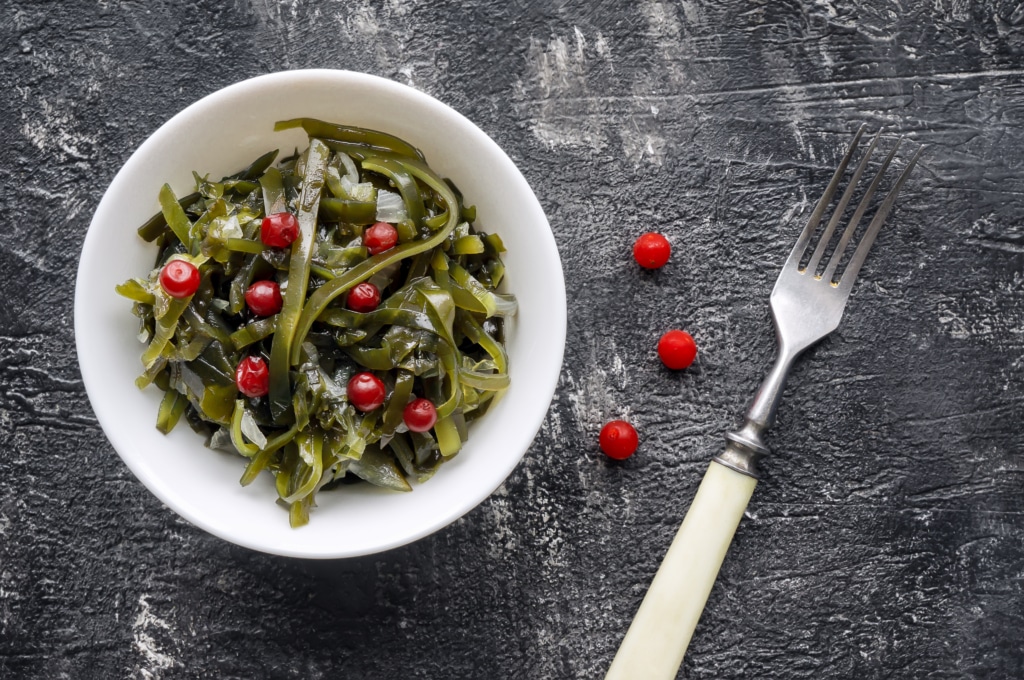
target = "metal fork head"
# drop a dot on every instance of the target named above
(809, 298)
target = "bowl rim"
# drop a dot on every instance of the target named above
(556, 317)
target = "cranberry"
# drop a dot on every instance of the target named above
(677, 349)
(651, 251)
(179, 278)
(380, 237)
(264, 298)
(619, 440)
(279, 230)
(364, 298)
(252, 377)
(419, 415)
(366, 391)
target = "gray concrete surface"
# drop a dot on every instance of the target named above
(886, 539)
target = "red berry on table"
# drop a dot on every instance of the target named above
(651, 251)
(380, 237)
(419, 415)
(279, 230)
(179, 278)
(252, 377)
(364, 298)
(677, 349)
(366, 391)
(619, 440)
(264, 298)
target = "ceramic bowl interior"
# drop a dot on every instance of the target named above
(221, 134)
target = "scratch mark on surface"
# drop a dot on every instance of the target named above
(795, 88)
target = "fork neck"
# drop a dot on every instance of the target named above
(766, 402)
(745, 446)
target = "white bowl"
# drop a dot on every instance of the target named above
(223, 133)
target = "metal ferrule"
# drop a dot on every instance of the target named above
(742, 452)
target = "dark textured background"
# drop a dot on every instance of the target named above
(886, 540)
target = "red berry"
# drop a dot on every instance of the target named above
(279, 230)
(619, 440)
(364, 298)
(380, 237)
(264, 298)
(651, 251)
(252, 377)
(677, 349)
(366, 391)
(419, 415)
(179, 278)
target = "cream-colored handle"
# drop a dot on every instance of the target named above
(660, 633)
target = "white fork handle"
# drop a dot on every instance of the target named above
(660, 633)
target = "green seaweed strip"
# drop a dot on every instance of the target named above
(298, 512)
(351, 212)
(351, 135)
(171, 407)
(157, 224)
(397, 401)
(474, 288)
(134, 289)
(258, 166)
(280, 397)
(468, 245)
(262, 459)
(448, 439)
(302, 479)
(326, 293)
(361, 152)
(244, 448)
(274, 199)
(165, 328)
(175, 216)
(244, 245)
(254, 332)
(476, 333)
(488, 382)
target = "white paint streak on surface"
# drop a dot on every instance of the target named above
(693, 13)
(52, 132)
(641, 144)
(592, 398)
(364, 20)
(564, 114)
(602, 48)
(662, 22)
(156, 659)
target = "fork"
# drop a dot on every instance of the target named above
(807, 304)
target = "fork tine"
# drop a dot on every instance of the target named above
(812, 264)
(793, 261)
(852, 269)
(862, 207)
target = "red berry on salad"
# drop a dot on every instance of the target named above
(252, 377)
(179, 278)
(380, 237)
(264, 298)
(364, 298)
(677, 349)
(619, 440)
(366, 391)
(279, 230)
(651, 251)
(419, 415)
